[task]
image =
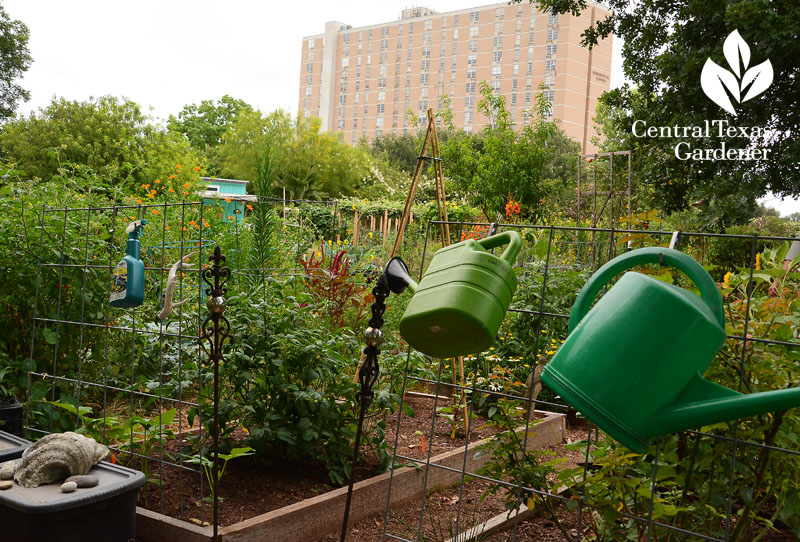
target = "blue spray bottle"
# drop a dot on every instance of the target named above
(127, 281)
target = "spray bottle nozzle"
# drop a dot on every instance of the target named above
(134, 229)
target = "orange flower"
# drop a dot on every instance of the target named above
(150, 196)
(196, 226)
(230, 217)
(192, 222)
(177, 166)
(152, 191)
(154, 211)
(172, 176)
(157, 181)
(197, 168)
(227, 200)
(249, 207)
(138, 200)
(145, 186)
(171, 190)
(186, 185)
(184, 229)
(186, 192)
(166, 227)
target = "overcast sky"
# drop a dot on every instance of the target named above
(168, 53)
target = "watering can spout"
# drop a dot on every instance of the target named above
(705, 403)
(397, 276)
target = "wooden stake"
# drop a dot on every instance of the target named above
(355, 227)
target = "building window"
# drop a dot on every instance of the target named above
(343, 87)
(309, 79)
(530, 68)
(384, 31)
(428, 24)
(496, 85)
(379, 122)
(516, 54)
(470, 87)
(383, 58)
(551, 50)
(382, 83)
(306, 103)
(472, 60)
(552, 20)
(380, 108)
(423, 92)
(369, 60)
(514, 98)
(426, 65)
(497, 56)
(516, 70)
(381, 95)
(355, 124)
(455, 34)
(527, 98)
(497, 42)
(552, 34)
(426, 51)
(474, 16)
(499, 13)
(384, 44)
(423, 79)
(473, 31)
(470, 74)
(469, 102)
(530, 38)
(496, 71)
(468, 117)
(345, 62)
(514, 84)
(308, 91)
(473, 45)
(309, 67)
(311, 43)
(343, 99)
(455, 20)
(426, 38)
(306, 113)
(498, 29)
(310, 56)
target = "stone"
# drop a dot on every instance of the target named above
(57, 456)
(69, 487)
(84, 480)
(7, 469)
(6, 484)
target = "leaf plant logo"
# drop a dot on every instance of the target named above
(741, 83)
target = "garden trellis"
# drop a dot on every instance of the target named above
(120, 375)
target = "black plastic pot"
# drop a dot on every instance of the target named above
(11, 415)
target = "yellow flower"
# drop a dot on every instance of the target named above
(726, 280)
(370, 235)
(758, 262)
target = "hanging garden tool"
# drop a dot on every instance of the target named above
(633, 364)
(461, 300)
(127, 280)
(172, 280)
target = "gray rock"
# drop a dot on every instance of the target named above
(56, 457)
(7, 469)
(6, 484)
(69, 487)
(84, 480)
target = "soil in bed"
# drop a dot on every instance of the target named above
(249, 488)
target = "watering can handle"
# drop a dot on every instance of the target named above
(665, 256)
(511, 238)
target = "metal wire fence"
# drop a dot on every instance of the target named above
(722, 482)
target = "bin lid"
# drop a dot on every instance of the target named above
(48, 498)
(11, 446)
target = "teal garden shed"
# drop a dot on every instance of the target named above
(228, 195)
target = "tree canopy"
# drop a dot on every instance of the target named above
(204, 124)
(15, 59)
(666, 45)
(109, 135)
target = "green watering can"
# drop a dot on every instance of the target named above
(633, 365)
(461, 300)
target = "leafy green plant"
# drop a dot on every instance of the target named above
(208, 467)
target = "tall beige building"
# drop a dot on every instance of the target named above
(363, 81)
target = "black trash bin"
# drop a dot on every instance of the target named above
(11, 446)
(104, 513)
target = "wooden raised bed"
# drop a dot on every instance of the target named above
(314, 518)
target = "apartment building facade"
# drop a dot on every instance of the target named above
(363, 81)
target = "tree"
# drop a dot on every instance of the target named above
(204, 124)
(109, 135)
(500, 163)
(279, 152)
(666, 47)
(400, 150)
(15, 59)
